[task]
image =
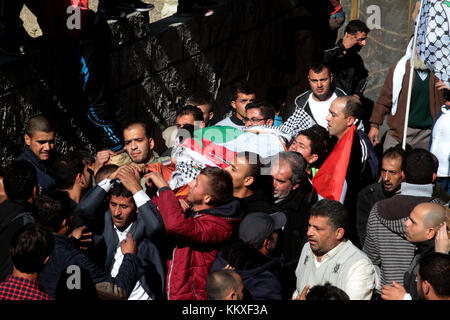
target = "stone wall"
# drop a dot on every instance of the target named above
(155, 66)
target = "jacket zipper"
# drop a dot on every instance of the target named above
(170, 274)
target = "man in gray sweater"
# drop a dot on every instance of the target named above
(388, 249)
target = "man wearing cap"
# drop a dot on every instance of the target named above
(329, 257)
(250, 255)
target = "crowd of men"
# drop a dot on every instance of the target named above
(112, 224)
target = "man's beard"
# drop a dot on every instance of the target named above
(355, 49)
(324, 96)
(418, 64)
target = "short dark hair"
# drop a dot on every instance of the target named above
(241, 87)
(419, 166)
(196, 113)
(395, 153)
(52, 208)
(320, 142)
(435, 268)
(147, 129)
(19, 180)
(253, 161)
(219, 283)
(355, 26)
(318, 66)
(326, 292)
(119, 190)
(38, 123)
(436, 162)
(296, 162)
(335, 212)
(277, 96)
(220, 185)
(30, 246)
(199, 98)
(105, 171)
(266, 109)
(353, 107)
(66, 168)
(86, 156)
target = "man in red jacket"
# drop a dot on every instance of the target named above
(198, 232)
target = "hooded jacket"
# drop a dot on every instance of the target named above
(421, 249)
(386, 244)
(301, 102)
(257, 271)
(196, 239)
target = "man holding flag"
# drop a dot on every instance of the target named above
(410, 93)
(347, 169)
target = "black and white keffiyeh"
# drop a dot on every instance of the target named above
(300, 120)
(433, 37)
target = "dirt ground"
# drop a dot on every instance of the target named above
(163, 8)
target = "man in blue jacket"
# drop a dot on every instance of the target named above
(40, 140)
(251, 258)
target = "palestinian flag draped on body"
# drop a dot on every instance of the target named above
(433, 37)
(329, 182)
(218, 145)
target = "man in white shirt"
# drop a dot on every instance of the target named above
(316, 101)
(440, 142)
(329, 257)
(130, 211)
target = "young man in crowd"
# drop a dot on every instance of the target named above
(30, 249)
(196, 234)
(40, 140)
(242, 95)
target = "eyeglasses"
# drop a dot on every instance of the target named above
(253, 120)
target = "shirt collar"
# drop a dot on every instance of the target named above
(24, 281)
(416, 190)
(332, 252)
(236, 120)
(122, 234)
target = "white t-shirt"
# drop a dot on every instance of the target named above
(320, 109)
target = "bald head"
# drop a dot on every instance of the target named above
(342, 114)
(434, 214)
(424, 221)
(224, 284)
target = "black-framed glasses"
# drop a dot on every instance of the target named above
(253, 120)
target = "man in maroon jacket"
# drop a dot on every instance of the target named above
(198, 232)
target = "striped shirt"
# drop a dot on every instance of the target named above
(385, 242)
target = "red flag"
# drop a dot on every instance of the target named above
(329, 182)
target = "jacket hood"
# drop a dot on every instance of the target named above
(393, 212)
(230, 210)
(247, 260)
